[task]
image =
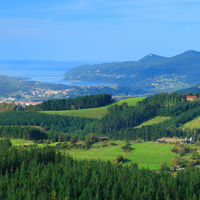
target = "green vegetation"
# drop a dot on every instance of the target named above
(106, 153)
(82, 102)
(44, 173)
(149, 154)
(88, 113)
(94, 112)
(145, 154)
(6, 107)
(195, 123)
(131, 101)
(155, 120)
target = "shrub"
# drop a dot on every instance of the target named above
(133, 165)
(190, 164)
(112, 144)
(163, 165)
(175, 162)
(73, 140)
(126, 148)
(119, 158)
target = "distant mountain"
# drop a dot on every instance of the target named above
(193, 89)
(152, 71)
(150, 57)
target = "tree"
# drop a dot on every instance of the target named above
(190, 164)
(73, 140)
(91, 137)
(163, 165)
(119, 158)
(174, 162)
(133, 165)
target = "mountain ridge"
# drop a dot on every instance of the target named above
(183, 68)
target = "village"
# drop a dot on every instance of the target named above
(34, 96)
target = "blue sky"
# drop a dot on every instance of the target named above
(101, 30)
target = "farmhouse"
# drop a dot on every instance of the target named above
(176, 140)
(172, 140)
(191, 98)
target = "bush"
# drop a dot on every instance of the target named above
(197, 143)
(73, 140)
(163, 165)
(112, 144)
(190, 164)
(175, 162)
(195, 156)
(126, 148)
(133, 165)
(119, 158)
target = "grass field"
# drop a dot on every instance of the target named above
(106, 153)
(147, 154)
(195, 123)
(93, 112)
(150, 154)
(18, 142)
(155, 120)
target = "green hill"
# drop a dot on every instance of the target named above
(93, 112)
(178, 70)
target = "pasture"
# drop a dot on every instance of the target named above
(146, 154)
(195, 123)
(93, 112)
(155, 120)
(149, 154)
(106, 153)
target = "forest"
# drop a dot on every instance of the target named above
(81, 102)
(44, 173)
(118, 123)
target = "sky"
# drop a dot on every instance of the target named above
(97, 30)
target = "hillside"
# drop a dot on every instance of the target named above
(93, 112)
(150, 72)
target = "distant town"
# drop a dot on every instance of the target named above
(34, 96)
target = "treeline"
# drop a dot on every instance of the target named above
(92, 101)
(178, 109)
(119, 120)
(168, 128)
(121, 117)
(56, 125)
(43, 173)
(154, 132)
(27, 133)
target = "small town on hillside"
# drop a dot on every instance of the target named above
(35, 96)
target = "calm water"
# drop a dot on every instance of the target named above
(31, 69)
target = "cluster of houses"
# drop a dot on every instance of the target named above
(27, 103)
(192, 98)
(176, 140)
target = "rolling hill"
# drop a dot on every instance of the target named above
(152, 71)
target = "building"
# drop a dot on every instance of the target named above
(191, 98)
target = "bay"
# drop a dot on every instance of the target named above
(33, 69)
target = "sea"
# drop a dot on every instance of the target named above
(36, 70)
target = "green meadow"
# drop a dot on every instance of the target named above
(94, 112)
(149, 154)
(106, 153)
(22, 142)
(146, 154)
(155, 120)
(195, 123)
